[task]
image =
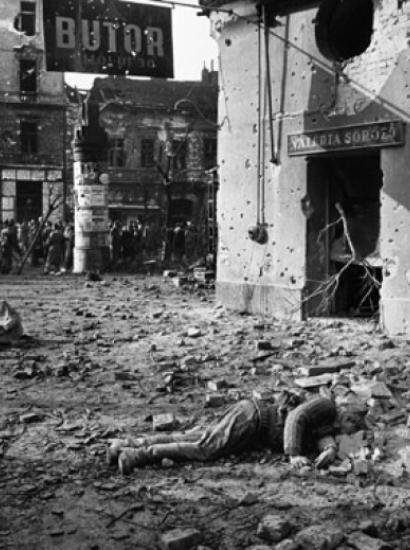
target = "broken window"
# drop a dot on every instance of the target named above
(344, 28)
(28, 76)
(116, 156)
(28, 137)
(26, 20)
(147, 153)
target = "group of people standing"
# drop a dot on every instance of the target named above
(46, 243)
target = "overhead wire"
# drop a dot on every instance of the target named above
(320, 63)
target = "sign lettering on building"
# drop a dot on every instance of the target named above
(109, 37)
(377, 134)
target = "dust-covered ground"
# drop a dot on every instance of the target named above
(100, 359)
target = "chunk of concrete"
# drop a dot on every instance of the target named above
(320, 537)
(180, 539)
(287, 544)
(328, 366)
(216, 385)
(11, 328)
(214, 399)
(273, 528)
(364, 542)
(350, 445)
(164, 422)
(308, 382)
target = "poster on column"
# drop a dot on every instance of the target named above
(91, 196)
(108, 37)
(91, 220)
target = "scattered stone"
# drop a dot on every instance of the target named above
(364, 542)
(169, 273)
(193, 332)
(329, 366)
(216, 385)
(380, 390)
(188, 361)
(361, 467)
(320, 537)
(11, 328)
(28, 418)
(273, 528)
(308, 382)
(167, 463)
(287, 544)
(350, 445)
(164, 422)
(263, 395)
(180, 539)
(341, 469)
(214, 400)
(266, 345)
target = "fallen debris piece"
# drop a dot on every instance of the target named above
(216, 385)
(11, 328)
(214, 400)
(326, 367)
(164, 422)
(28, 418)
(273, 528)
(350, 445)
(341, 469)
(180, 539)
(266, 345)
(287, 544)
(361, 466)
(364, 542)
(193, 332)
(308, 382)
(320, 537)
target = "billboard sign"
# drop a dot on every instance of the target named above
(109, 37)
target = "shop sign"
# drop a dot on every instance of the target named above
(363, 136)
(109, 37)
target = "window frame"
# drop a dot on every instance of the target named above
(29, 137)
(147, 157)
(27, 18)
(30, 63)
(116, 152)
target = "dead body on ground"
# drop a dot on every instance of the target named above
(282, 425)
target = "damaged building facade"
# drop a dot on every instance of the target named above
(32, 115)
(314, 160)
(161, 137)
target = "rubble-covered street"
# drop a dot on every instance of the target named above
(100, 359)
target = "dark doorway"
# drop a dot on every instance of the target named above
(342, 207)
(29, 200)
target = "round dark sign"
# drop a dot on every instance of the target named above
(344, 28)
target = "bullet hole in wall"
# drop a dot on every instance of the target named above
(228, 42)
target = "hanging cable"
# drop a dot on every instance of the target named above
(273, 152)
(258, 160)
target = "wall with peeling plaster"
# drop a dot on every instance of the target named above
(308, 94)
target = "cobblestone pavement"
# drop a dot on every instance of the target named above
(94, 365)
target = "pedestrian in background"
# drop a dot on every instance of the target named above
(55, 250)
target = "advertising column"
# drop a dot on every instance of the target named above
(91, 251)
